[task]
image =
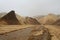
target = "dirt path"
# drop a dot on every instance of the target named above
(40, 33)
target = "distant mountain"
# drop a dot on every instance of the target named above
(38, 17)
(48, 19)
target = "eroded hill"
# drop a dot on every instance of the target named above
(49, 19)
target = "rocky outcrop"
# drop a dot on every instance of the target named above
(9, 19)
(32, 21)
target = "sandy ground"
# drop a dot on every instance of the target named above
(23, 32)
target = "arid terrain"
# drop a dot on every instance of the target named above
(15, 27)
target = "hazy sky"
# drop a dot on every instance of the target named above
(31, 7)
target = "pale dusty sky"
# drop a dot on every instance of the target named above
(31, 7)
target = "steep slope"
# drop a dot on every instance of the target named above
(21, 19)
(9, 19)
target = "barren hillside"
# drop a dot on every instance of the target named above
(15, 27)
(48, 19)
(12, 18)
